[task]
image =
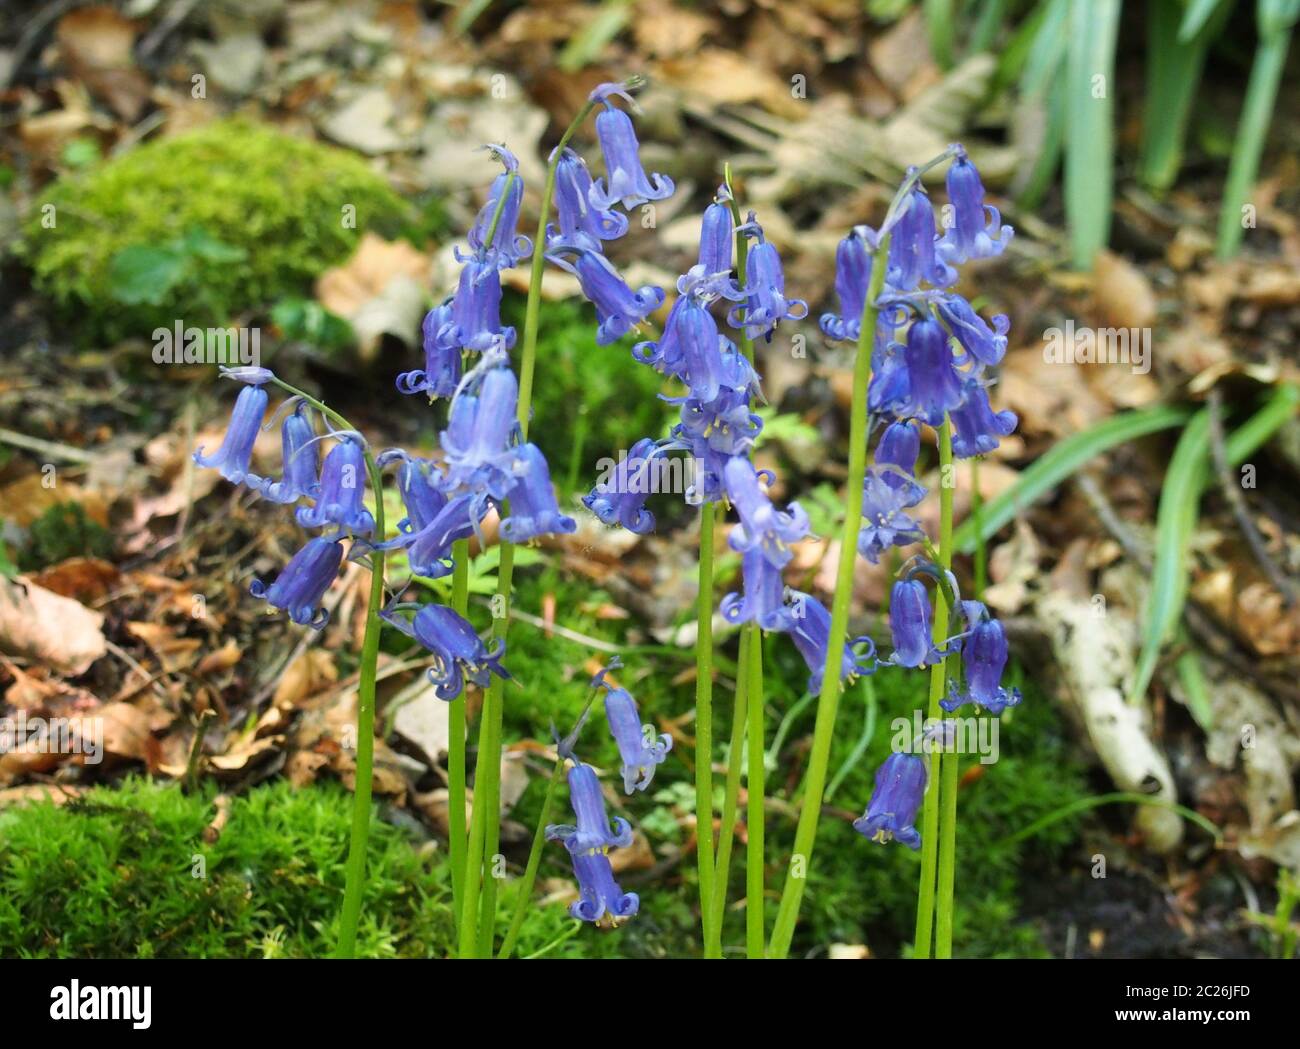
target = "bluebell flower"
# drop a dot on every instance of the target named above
(341, 499)
(724, 424)
(533, 509)
(696, 333)
(891, 813)
(912, 247)
(479, 427)
(507, 248)
(934, 384)
(988, 345)
(909, 624)
(810, 628)
(458, 652)
(600, 899)
(762, 526)
(890, 387)
(475, 320)
(591, 831)
(762, 600)
(441, 373)
(884, 522)
(710, 277)
(582, 224)
(625, 179)
(976, 426)
(621, 499)
(665, 353)
(298, 589)
(428, 548)
(422, 497)
(896, 456)
(300, 459)
(232, 458)
(765, 303)
(971, 235)
(247, 373)
(852, 278)
(619, 309)
(641, 751)
(984, 658)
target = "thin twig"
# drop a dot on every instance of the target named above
(1238, 503)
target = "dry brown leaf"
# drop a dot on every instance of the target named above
(25, 499)
(97, 43)
(380, 290)
(36, 793)
(41, 625)
(126, 731)
(1123, 293)
(224, 658)
(80, 578)
(307, 675)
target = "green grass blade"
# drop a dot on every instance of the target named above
(1090, 135)
(1015, 54)
(1276, 21)
(1174, 68)
(939, 25)
(1186, 479)
(1197, 15)
(583, 48)
(1124, 797)
(1197, 689)
(987, 23)
(1062, 460)
(1175, 522)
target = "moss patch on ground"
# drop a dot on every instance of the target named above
(201, 227)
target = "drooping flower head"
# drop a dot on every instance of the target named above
(765, 304)
(987, 345)
(934, 384)
(231, 460)
(763, 598)
(302, 583)
(507, 246)
(976, 231)
(458, 652)
(475, 320)
(625, 179)
(621, 498)
(852, 278)
(591, 831)
(619, 309)
(762, 525)
(582, 224)
(482, 419)
(912, 247)
(638, 746)
(341, 499)
(600, 899)
(300, 459)
(984, 658)
(976, 426)
(442, 368)
(884, 520)
(811, 632)
(533, 509)
(891, 813)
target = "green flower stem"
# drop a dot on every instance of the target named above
(360, 834)
(704, 724)
(754, 815)
(726, 837)
(829, 697)
(930, 818)
(949, 760)
(534, 861)
(456, 741)
(477, 930)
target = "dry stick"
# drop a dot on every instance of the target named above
(1238, 503)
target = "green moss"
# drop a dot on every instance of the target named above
(273, 204)
(61, 532)
(589, 401)
(125, 872)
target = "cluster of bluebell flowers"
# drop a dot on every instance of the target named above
(939, 371)
(485, 464)
(592, 835)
